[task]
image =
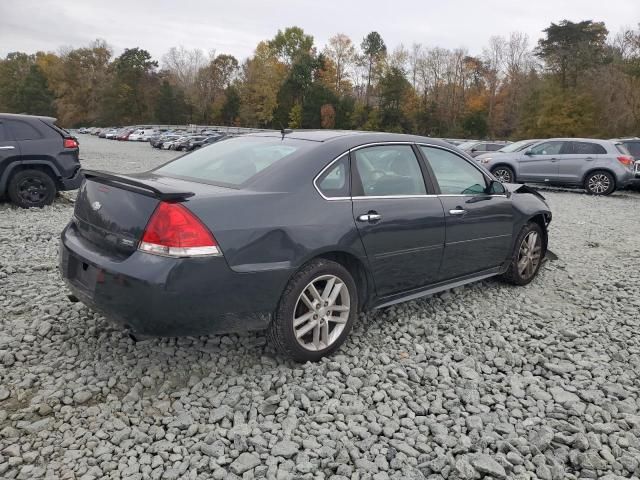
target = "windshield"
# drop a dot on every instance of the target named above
(234, 161)
(516, 146)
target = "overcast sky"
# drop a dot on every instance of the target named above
(236, 26)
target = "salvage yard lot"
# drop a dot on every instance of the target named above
(484, 380)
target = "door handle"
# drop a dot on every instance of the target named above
(370, 217)
(554, 159)
(8, 147)
(457, 211)
(589, 159)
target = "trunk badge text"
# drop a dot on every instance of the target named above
(96, 206)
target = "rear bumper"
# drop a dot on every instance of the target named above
(160, 296)
(73, 182)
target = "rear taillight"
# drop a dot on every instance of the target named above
(174, 231)
(626, 160)
(70, 143)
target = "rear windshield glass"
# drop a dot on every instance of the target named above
(234, 161)
(633, 147)
(623, 149)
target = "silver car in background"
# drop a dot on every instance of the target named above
(598, 166)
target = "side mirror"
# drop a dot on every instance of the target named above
(528, 152)
(474, 150)
(496, 188)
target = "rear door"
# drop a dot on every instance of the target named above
(478, 225)
(576, 159)
(400, 221)
(540, 162)
(9, 150)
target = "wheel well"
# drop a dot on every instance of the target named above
(494, 167)
(358, 271)
(542, 220)
(41, 167)
(593, 170)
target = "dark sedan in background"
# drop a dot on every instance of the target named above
(295, 233)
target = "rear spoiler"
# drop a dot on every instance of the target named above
(148, 187)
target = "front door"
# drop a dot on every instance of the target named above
(540, 163)
(479, 225)
(401, 225)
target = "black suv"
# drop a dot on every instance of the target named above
(37, 159)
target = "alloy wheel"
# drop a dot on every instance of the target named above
(529, 255)
(503, 175)
(599, 183)
(321, 312)
(32, 190)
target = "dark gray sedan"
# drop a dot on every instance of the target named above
(295, 233)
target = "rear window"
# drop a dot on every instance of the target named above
(632, 147)
(235, 161)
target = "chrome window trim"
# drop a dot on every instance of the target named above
(396, 197)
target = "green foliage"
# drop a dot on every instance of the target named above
(170, 107)
(295, 116)
(231, 107)
(555, 112)
(24, 87)
(475, 124)
(290, 44)
(394, 88)
(571, 48)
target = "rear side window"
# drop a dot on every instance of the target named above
(335, 182)
(389, 170)
(235, 161)
(454, 174)
(23, 131)
(587, 148)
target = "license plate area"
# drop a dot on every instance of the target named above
(83, 274)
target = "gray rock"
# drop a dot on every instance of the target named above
(246, 461)
(285, 448)
(488, 466)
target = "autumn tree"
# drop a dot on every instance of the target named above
(374, 49)
(341, 51)
(262, 76)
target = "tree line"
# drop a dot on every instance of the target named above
(578, 80)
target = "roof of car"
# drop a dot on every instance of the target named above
(24, 116)
(368, 137)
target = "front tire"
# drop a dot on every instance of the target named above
(600, 183)
(527, 256)
(316, 312)
(504, 174)
(32, 188)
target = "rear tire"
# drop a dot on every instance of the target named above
(600, 183)
(316, 312)
(32, 188)
(528, 253)
(504, 174)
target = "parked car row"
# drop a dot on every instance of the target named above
(165, 139)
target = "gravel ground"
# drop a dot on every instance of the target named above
(485, 381)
